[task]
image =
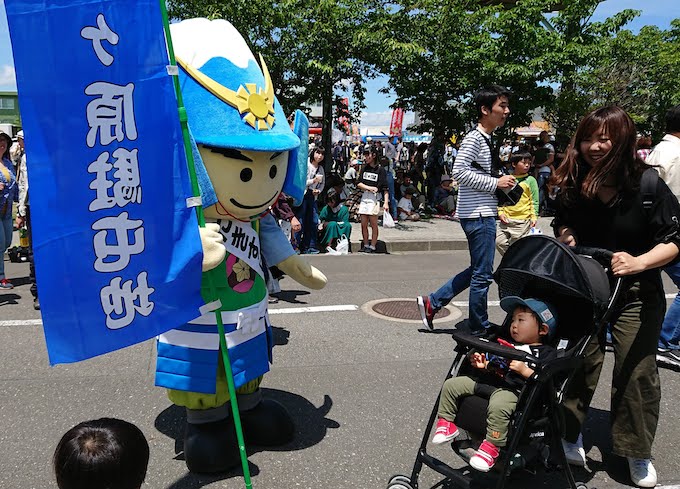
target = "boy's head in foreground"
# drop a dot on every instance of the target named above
(105, 453)
(533, 321)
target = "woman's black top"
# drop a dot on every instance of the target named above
(624, 224)
(374, 177)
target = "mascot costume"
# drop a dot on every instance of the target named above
(245, 154)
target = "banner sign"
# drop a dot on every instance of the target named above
(117, 251)
(397, 120)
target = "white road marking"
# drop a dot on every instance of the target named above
(298, 310)
(22, 322)
(288, 310)
(292, 310)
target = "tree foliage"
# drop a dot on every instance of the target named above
(438, 52)
(312, 47)
(640, 73)
(468, 44)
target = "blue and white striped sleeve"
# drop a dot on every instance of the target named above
(463, 172)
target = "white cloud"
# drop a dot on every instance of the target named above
(7, 76)
(376, 118)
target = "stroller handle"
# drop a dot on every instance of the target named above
(601, 255)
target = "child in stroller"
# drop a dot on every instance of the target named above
(531, 323)
(576, 285)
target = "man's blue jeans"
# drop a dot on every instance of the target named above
(481, 236)
(670, 330)
(542, 190)
(390, 190)
(309, 219)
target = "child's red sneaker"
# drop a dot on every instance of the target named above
(444, 432)
(485, 457)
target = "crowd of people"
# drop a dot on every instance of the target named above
(14, 195)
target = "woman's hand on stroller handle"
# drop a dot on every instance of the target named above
(626, 264)
(566, 235)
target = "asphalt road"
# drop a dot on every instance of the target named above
(360, 389)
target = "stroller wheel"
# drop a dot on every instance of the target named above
(399, 482)
(400, 485)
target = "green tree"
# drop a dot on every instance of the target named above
(465, 46)
(640, 73)
(579, 44)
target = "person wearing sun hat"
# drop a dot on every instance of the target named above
(445, 195)
(245, 154)
(531, 323)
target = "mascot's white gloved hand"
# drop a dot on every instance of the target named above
(302, 272)
(213, 249)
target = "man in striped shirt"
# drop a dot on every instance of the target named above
(477, 209)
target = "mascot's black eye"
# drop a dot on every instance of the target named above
(246, 174)
(272, 171)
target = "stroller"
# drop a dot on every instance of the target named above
(576, 284)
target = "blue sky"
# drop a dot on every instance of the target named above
(654, 12)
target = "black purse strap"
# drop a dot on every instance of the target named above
(495, 162)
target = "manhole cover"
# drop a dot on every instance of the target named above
(406, 311)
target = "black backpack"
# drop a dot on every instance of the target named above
(648, 183)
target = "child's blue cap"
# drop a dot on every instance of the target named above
(542, 309)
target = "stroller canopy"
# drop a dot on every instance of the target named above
(576, 286)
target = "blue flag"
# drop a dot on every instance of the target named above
(117, 251)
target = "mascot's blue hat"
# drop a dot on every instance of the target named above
(230, 101)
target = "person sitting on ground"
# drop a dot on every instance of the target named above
(106, 453)
(532, 322)
(518, 220)
(445, 196)
(405, 206)
(351, 175)
(334, 221)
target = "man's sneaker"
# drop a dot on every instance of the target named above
(642, 472)
(665, 356)
(426, 310)
(6, 284)
(444, 432)
(575, 453)
(485, 457)
(310, 251)
(36, 304)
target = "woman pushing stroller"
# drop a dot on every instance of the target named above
(601, 204)
(532, 322)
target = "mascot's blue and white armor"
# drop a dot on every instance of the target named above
(245, 154)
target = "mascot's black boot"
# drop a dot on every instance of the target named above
(210, 446)
(265, 422)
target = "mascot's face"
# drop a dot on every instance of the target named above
(246, 182)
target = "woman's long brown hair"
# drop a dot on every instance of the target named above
(621, 161)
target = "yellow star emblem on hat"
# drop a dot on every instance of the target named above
(255, 102)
